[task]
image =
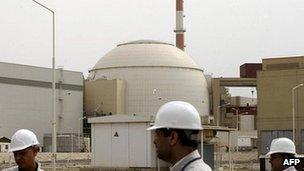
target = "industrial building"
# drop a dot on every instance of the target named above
(126, 87)
(238, 113)
(26, 100)
(235, 115)
(276, 81)
(104, 97)
(154, 73)
(4, 144)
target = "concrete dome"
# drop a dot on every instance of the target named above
(155, 73)
(146, 53)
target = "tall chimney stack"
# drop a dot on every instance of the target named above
(179, 30)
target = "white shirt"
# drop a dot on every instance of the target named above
(291, 168)
(197, 165)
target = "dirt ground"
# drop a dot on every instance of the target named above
(241, 161)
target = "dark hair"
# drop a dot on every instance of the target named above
(184, 139)
(287, 155)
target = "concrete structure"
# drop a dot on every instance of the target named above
(4, 144)
(26, 99)
(136, 78)
(122, 141)
(218, 104)
(249, 70)
(246, 122)
(104, 97)
(243, 101)
(154, 73)
(274, 87)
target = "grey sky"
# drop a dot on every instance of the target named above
(221, 34)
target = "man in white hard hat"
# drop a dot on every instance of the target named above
(24, 145)
(281, 149)
(177, 125)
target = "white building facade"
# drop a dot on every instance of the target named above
(154, 73)
(26, 100)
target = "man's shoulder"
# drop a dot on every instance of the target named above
(14, 168)
(199, 165)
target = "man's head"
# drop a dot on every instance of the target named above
(167, 141)
(280, 149)
(176, 128)
(277, 159)
(24, 145)
(26, 158)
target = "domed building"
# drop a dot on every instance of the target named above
(154, 72)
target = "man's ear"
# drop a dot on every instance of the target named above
(174, 138)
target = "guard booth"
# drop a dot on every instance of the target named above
(122, 141)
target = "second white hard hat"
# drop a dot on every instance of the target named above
(23, 139)
(282, 145)
(177, 115)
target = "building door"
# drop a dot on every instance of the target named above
(120, 145)
(138, 138)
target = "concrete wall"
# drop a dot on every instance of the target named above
(247, 122)
(243, 101)
(105, 96)
(283, 63)
(150, 87)
(274, 87)
(26, 100)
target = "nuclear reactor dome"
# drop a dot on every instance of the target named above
(155, 73)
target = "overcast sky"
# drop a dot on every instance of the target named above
(221, 34)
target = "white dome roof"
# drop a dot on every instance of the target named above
(146, 53)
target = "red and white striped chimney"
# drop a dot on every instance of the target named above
(179, 30)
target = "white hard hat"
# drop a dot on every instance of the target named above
(282, 145)
(177, 115)
(23, 139)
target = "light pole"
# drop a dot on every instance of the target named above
(54, 133)
(79, 130)
(293, 111)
